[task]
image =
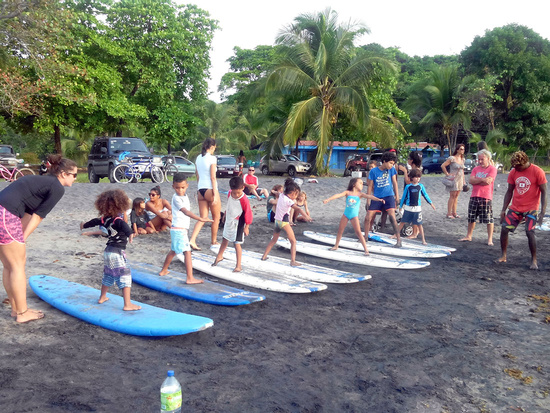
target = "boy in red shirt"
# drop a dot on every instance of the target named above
(526, 190)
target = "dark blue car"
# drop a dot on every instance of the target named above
(432, 165)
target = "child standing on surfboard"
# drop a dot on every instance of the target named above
(111, 206)
(351, 214)
(181, 214)
(285, 203)
(238, 217)
(410, 202)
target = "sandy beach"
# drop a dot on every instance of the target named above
(462, 335)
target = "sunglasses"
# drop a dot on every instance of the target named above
(73, 174)
(251, 170)
(153, 194)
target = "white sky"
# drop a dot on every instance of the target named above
(416, 27)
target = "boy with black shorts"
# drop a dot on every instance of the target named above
(238, 217)
(382, 183)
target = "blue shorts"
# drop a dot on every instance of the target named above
(414, 218)
(180, 241)
(378, 206)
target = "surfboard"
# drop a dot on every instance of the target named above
(353, 257)
(174, 283)
(354, 244)
(407, 243)
(80, 301)
(253, 277)
(282, 266)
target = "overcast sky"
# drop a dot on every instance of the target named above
(416, 27)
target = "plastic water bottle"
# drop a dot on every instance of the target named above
(170, 394)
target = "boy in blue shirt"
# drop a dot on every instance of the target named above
(382, 183)
(411, 201)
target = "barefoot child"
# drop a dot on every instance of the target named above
(141, 223)
(181, 213)
(284, 205)
(382, 183)
(238, 217)
(111, 206)
(351, 214)
(410, 202)
(301, 201)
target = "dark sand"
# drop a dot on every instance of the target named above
(447, 338)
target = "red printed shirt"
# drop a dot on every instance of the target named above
(526, 196)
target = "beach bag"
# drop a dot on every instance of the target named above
(449, 180)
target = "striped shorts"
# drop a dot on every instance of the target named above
(115, 268)
(482, 208)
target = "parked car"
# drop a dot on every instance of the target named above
(432, 165)
(281, 164)
(227, 166)
(105, 153)
(359, 162)
(8, 157)
(468, 166)
(183, 165)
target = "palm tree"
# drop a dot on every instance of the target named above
(436, 100)
(325, 77)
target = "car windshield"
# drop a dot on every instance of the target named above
(226, 161)
(6, 150)
(131, 145)
(292, 158)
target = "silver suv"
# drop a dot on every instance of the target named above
(105, 156)
(280, 164)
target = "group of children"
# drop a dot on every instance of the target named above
(285, 205)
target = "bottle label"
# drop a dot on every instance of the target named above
(170, 401)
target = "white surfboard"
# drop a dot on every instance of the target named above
(407, 243)
(252, 277)
(376, 247)
(353, 257)
(282, 266)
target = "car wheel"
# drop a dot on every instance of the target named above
(347, 172)
(92, 177)
(111, 174)
(425, 171)
(407, 231)
(291, 171)
(265, 170)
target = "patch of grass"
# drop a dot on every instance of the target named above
(542, 305)
(518, 375)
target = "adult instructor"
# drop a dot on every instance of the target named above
(208, 196)
(23, 205)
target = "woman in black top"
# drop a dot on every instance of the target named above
(23, 205)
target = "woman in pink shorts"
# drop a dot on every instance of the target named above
(23, 205)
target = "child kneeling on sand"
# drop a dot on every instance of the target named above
(111, 206)
(238, 217)
(181, 211)
(410, 202)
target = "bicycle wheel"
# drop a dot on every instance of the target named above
(23, 172)
(169, 172)
(157, 175)
(5, 174)
(124, 173)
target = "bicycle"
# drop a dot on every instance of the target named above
(132, 172)
(15, 173)
(170, 169)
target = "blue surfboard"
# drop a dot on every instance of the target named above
(80, 301)
(174, 283)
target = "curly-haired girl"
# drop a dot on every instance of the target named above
(111, 206)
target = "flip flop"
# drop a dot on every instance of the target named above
(6, 301)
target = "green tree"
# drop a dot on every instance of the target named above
(435, 102)
(327, 76)
(519, 58)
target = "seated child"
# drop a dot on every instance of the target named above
(238, 217)
(297, 215)
(272, 201)
(139, 218)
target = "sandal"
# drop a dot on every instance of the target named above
(450, 216)
(456, 215)
(6, 301)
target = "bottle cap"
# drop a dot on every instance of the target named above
(170, 373)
